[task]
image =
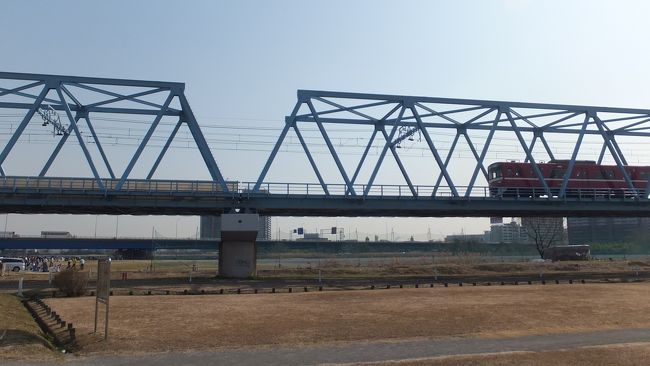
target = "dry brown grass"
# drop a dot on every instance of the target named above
(178, 323)
(407, 266)
(634, 354)
(23, 339)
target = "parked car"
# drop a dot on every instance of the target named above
(13, 264)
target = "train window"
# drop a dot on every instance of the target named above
(643, 175)
(495, 173)
(509, 172)
(582, 174)
(557, 173)
(517, 172)
(607, 174)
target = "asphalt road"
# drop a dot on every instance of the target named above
(369, 351)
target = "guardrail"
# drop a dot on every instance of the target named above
(18, 184)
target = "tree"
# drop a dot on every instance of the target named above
(544, 232)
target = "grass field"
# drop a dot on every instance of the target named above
(180, 323)
(23, 339)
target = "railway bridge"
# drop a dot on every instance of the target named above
(74, 108)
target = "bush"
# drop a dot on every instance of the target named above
(71, 282)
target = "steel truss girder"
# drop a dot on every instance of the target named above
(539, 120)
(67, 102)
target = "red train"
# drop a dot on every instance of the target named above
(513, 179)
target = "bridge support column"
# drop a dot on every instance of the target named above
(237, 249)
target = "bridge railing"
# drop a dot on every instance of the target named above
(210, 188)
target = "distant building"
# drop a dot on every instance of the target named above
(508, 233)
(210, 227)
(590, 230)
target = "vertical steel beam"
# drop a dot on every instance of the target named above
(432, 147)
(144, 142)
(536, 169)
(21, 127)
(380, 159)
(73, 125)
(311, 159)
(574, 155)
(287, 124)
(199, 139)
(321, 128)
(165, 148)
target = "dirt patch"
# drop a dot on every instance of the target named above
(636, 354)
(178, 323)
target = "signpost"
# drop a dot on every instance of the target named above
(103, 290)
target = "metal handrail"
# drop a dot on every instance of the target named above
(198, 187)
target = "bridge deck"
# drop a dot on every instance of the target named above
(168, 197)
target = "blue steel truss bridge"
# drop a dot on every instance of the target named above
(66, 103)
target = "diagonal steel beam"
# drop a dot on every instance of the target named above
(532, 146)
(399, 163)
(618, 150)
(311, 159)
(82, 144)
(474, 152)
(56, 151)
(126, 97)
(436, 186)
(204, 149)
(574, 156)
(99, 147)
(602, 153)
(363, 156)
(433, 149)
(144, 142)
(341, 108)
(288, 122)
(369, 145)
(331, 148)
(546, 147)
(536, 169)
(380, 159)
(21, 127)
(18, 89)
(479, 162)
(165, 148)
(613, 152)
(117, 95)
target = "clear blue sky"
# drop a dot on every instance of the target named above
(242, 62)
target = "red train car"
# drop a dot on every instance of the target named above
(514, 179)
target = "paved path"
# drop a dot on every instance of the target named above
(371, 351)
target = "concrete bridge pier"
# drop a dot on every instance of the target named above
(237, 249)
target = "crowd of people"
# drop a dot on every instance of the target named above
(53, 264)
